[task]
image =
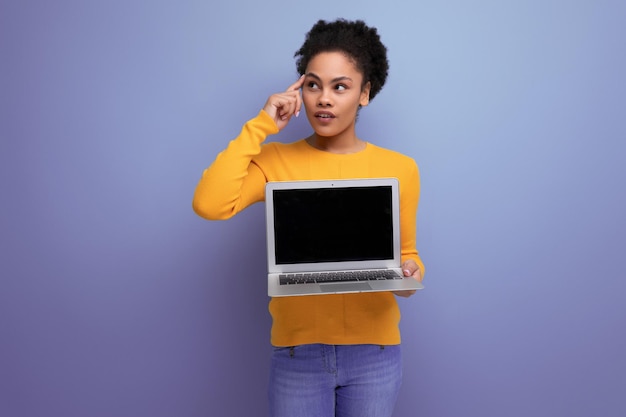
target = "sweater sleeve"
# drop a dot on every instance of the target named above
(409, 198)
(233, 182)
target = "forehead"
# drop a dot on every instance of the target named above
(333, 64)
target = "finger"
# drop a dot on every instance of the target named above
(284, 103)
(417, 274)
(409, 267)
(295, 87)
(287, 107)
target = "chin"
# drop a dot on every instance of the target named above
(325, 134)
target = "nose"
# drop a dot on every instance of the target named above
(324, 100)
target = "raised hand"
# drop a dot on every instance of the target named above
(281, 106)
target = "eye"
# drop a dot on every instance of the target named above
(341, 87)
(312, 85)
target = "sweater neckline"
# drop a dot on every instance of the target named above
(315, 150)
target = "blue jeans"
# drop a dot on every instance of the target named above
(334, 380)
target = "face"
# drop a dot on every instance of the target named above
(332, 94)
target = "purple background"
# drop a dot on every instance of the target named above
(116, 300)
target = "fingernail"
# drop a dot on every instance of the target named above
(407, 272)
(298, 113)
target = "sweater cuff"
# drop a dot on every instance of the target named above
(266, 122)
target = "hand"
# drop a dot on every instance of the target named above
(410, 269)
(282, 106)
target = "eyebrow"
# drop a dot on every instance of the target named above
(334, 80)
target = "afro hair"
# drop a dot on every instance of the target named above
(356, 40)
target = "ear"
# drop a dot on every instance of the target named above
(365, 94)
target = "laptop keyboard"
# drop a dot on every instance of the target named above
(337, 276)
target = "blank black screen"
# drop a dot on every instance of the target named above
(333, 224)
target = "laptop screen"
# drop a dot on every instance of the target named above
(333, 224)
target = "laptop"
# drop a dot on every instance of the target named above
(334, 236)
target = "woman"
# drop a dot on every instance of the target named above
(334, 355)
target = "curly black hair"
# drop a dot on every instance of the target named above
(358, 41)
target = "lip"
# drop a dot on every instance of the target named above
(324, 116)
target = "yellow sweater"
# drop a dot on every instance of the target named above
(237, 178)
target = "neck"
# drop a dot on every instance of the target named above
(341, 145)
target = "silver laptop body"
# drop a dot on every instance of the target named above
(322, 237)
